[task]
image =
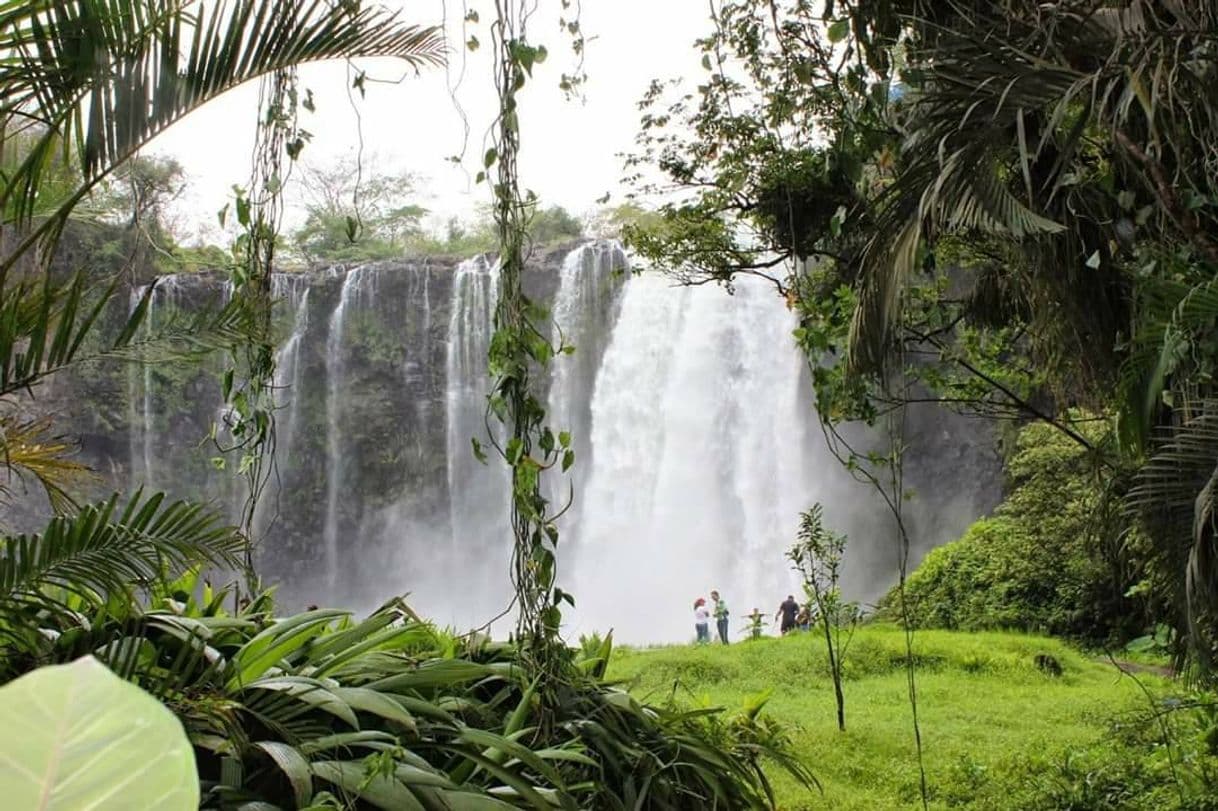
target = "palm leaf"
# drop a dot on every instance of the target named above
(101, 550)
(45, 327)
(1176, 500)
(31, 450)
(995, 128)
(101, 78)
(1172, 314)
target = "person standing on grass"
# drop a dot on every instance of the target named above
(787, 612)
(804, 620)
(701, 620)
(721, 613)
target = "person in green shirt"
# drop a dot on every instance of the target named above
(721, 613)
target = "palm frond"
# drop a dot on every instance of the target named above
(97, 79)
(30, 450)
(961, 161)
(45, 327)
(182, 336)
(1176, 499)
(1171, 315)
(1003, 125)
(43, 324)
(103, 550)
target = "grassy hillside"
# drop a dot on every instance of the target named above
(998, 733)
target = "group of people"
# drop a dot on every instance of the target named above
(790, 616)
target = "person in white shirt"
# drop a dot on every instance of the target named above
(702, 620)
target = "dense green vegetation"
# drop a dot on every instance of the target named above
(1000, 732)
(1042, 562)
(318, 709)
(353, 214)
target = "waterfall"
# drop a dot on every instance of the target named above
(290, 294)
(145, 445)
(702, 460)
(585, 308)
(293, 291)
(137, 409)
(357, 284)
(690, 412)
(478, 493)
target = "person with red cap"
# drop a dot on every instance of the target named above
(702, 620)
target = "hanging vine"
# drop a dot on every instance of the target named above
(518, 349)
(249, 381)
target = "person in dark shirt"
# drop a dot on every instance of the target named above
(787, 612)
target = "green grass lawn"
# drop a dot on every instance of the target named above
(997, 732)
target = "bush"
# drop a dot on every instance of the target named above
(391, 712)
(1040, 563)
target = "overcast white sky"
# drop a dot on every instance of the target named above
(569, 148)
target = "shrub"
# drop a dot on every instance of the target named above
(393, 713)
(1040, 563)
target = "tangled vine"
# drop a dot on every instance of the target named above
(520, 345)
(248, 385)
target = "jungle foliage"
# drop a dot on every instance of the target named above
(357, 213)
(1042, 563)
(318, 710)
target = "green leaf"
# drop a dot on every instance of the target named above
(381, 791)
(56, 721)
(1093, 261)
(491, 156)
(445, 673)
(274, 643)
(308, 691)
(294, 766)
(839, 30)
(375, 703)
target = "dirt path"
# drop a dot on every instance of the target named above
(1134, 668)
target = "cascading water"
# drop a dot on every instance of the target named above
(292, 291)
(703, 459)
(150, 411)
(359, 287)
(689, 410)
(585, 308)
(478, 493)
(162, 304)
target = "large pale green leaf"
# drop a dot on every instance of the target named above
(77, 736)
